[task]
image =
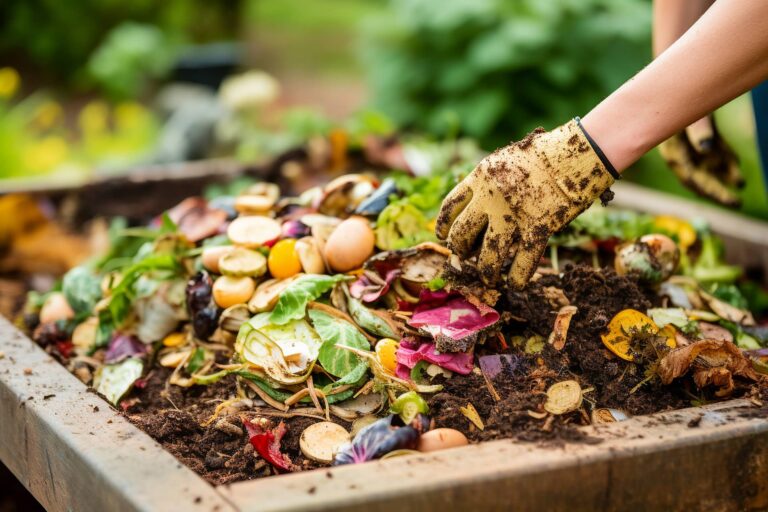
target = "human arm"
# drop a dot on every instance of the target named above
(724, 54)
(700, 158)
(522, 194)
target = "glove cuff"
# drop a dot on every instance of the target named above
(599, 152)
(575, 166)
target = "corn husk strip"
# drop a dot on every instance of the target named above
(472, 415)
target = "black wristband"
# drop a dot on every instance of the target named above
(607, 163)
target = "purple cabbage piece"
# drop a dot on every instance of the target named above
(493, 365)
(366, 290)
(453, 321)
(757, 352)
(411, 351)
(123, 346)
(379, 438)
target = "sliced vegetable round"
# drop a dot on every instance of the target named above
(283, 260)
(212, 255)
(408, 405)
(254, 231)
(563, 397)
(441, 439)
(228, 291)
(321, 441)
(259, 198)
(267, 294)
(386, 349)
(622, 327)
(242, 262)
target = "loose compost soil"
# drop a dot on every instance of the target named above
(220, 452)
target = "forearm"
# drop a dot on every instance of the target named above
(723, 55)
(672, 18)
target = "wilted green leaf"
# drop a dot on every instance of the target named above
(115, 380)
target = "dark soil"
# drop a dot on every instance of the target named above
(220, 452)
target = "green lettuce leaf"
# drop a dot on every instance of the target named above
(293, 300)
(337, 361)
(115, 380)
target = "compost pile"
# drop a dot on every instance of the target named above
(255, 334)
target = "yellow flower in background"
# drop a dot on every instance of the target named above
(9, 82)
(131, 115)
(47, 113)
(94, 117)
(46, 154)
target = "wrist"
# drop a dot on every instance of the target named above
(621, 141)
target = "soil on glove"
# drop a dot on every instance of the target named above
(220, 452)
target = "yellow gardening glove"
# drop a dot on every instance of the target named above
(704, 162)
(519, 196)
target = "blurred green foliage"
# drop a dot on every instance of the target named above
(131, 54)
(57, 37)
(495, 69)
(737, 125)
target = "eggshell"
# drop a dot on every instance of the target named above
(228, 291)
(441, 439)
(212, 255)
(350, 244)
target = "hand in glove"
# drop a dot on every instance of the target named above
(520, 195)
(704, 162)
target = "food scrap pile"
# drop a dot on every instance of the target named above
(256, 334)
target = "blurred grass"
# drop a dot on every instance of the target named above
(736, 123)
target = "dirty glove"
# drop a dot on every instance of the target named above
(704, 162)
(520, 195)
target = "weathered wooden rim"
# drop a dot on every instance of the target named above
(72, 451)
(415, 481)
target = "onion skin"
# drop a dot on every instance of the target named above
(652, 259)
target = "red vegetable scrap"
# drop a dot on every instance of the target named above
(453, 321)
(196, 219)
(266, 441)
(65, 348)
